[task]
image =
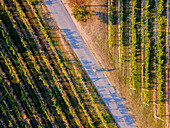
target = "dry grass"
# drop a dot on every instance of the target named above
(76, 2)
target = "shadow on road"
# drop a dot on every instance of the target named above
(96, 79)
(74, 41)
(119, 106)
(49, 2)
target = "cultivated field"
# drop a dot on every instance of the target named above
(143, 53)
(42, 83)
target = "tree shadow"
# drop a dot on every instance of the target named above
(123, 99)
(108, 70)
(103, 17)
(95, 79)
(50, 2)
(105, 5)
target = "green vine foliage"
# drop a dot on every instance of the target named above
(147, 43)
(121, 32)
(160, 52)
(134, 45)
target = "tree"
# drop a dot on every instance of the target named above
(80, 13)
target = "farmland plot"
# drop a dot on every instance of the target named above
(39, 88)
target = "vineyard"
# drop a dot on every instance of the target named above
(42, 84)
(139, 38)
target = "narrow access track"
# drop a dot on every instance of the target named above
(88, 61)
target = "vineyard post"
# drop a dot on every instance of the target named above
(130, 41)
(155, 86)
(108, 15)
(118, 22)
(167, 65)
(142, 49)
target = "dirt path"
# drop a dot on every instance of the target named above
(88, 61)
